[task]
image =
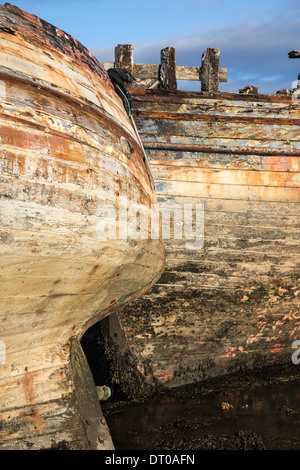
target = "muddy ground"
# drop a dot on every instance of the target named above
(254, 408)
(248, 410)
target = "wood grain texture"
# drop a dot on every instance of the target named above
(183, 72)
(62, 129)
(234, 302)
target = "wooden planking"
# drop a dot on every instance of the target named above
(227, 191)
(234, 243)
(262, 147)
(241, 267)
(49, 424)
(62, 81)
(237, 296)
(222, 160)
(182, 97)
(219, 280)
(55, 143)
(199, 259)
(37, 168)
(45, 416)
(63, 156)
(218, 211)
(68, 68)
(194, 117)
(215, 106)
(45, 105)
(252, 232)
(38, 123)
(14, 391)
(43, 34)
(236, 177)
(250, 219)
(231, 132)
(62, 195)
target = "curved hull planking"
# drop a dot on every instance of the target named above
(63, 159)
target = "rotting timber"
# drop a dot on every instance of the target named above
(234, 303)
(63, 156)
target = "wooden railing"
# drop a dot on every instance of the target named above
(166, 74)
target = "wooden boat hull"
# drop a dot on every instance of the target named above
(62, 162)
(235, 302)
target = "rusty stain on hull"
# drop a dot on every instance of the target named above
(61, 125)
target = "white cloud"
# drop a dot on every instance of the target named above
(254, 50)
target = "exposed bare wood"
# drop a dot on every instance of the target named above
(236, 178)
(210, 70)
(188, 116)
(182, 72)
(249, 90)
(167, 69)
(209, 73)
(294, 54)
(124, 57)
(193, 73)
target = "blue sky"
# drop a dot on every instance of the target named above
(254, 36)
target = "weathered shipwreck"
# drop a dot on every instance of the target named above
(69, 154)
(68, 149)
(235, 301)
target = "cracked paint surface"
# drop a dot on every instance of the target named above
(61, 160)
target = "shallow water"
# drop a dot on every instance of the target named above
(180, 422)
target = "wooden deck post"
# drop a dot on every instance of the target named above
(294, 54)
(167, 69)
(167, 73)
(124, 57)
(210, 70)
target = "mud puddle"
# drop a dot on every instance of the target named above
(248, 412)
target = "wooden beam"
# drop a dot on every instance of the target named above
(294, 54)
(167, 74)
(182, 72)
(203, 148)
(249, 90)
(210, 70)
(167, 69)
(124, 57)
(188, 116)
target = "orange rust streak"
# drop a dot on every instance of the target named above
(27, 382)
(116, 132)
(37, 424)
(162, 375)
(283, 163)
